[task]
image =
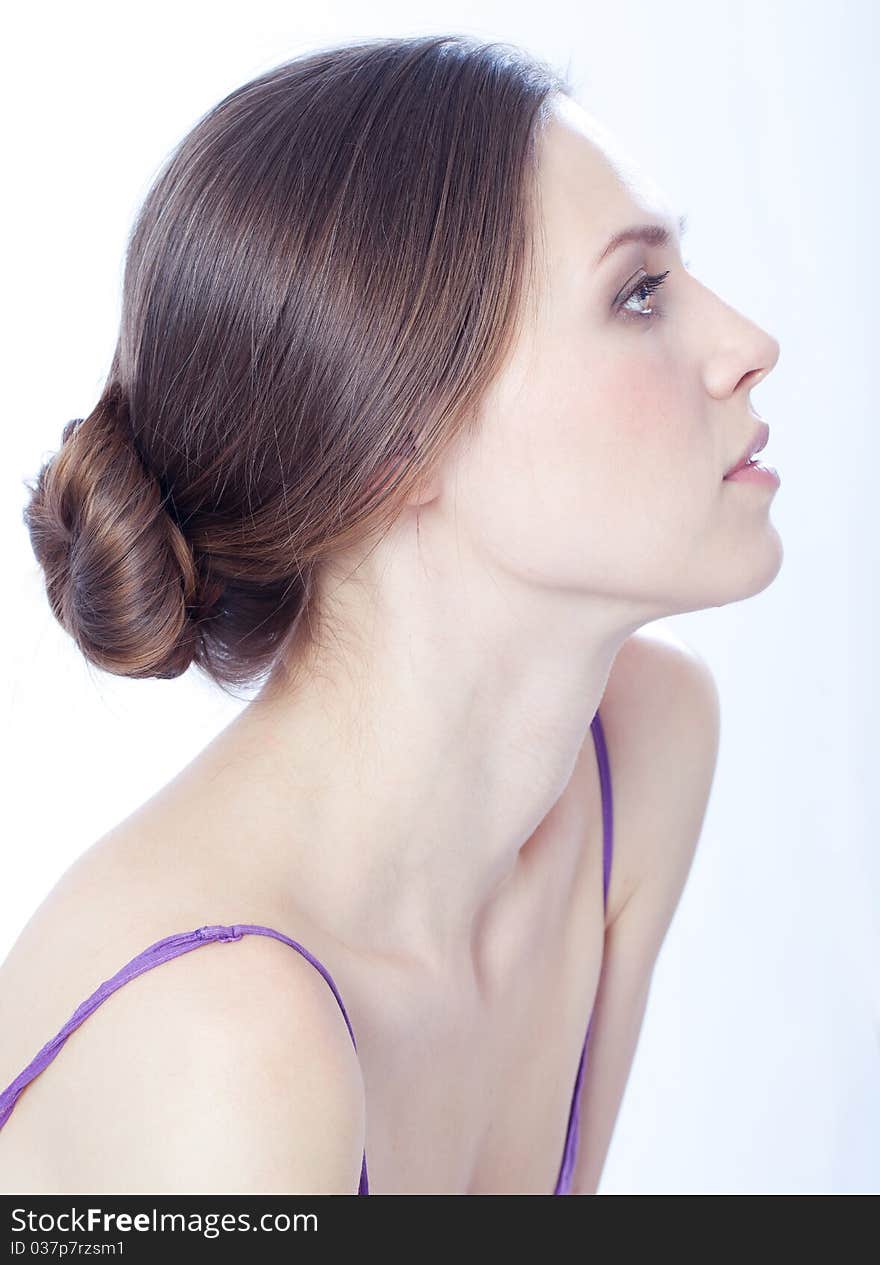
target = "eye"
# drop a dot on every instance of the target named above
(640, 293)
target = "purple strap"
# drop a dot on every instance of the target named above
(173, 946)
(566, 1170)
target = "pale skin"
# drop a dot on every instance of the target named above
(422, 811)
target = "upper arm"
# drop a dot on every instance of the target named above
(233, 1074)
(663, 704)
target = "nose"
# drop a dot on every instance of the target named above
(744, 353)
(769, 357)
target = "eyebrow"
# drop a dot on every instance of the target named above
(650, 234)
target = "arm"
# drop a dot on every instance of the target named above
(661, 714)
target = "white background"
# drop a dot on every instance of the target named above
(757, 1068)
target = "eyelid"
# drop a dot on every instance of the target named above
(629, 286)
(685, 263)
(653, 279)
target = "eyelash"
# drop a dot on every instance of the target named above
(650, 284)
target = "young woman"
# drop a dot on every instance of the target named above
(416, 418)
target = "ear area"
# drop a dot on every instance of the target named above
(427, 487)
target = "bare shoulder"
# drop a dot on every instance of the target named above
(661, 719)
(227, 1069)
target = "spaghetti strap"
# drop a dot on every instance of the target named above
(569, 1154)
(162, 951)
(607, 804)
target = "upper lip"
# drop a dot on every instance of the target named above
(756, 443)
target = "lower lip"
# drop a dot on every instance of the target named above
(754, 472)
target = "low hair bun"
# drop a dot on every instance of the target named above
(119, 574)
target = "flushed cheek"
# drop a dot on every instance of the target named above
(645, 407)
(653, 421)
(655, 464)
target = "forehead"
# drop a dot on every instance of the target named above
(590, 188)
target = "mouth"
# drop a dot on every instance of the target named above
(756, 444)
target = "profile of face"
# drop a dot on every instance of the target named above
(599, 462)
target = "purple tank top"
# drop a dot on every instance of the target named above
(173, 946)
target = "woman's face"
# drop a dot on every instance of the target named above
(600, 457)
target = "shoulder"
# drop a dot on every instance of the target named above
(227, 1069)
(274, 1086)
(658, 683)
(661, 718)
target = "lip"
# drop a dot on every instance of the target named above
(757, 442)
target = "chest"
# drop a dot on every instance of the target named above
(474, 1096)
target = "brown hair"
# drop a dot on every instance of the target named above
(320, 284)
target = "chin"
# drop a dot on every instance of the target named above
(734, 576)
(756, 567)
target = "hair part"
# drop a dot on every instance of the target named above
(322, 281)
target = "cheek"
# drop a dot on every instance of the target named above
(641, 408)
(600, 461)
(622, 433)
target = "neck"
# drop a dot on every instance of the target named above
(407, 779)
